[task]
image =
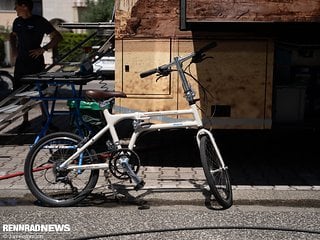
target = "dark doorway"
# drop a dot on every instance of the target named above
(296, 85)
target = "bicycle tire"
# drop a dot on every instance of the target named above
(42, 178)
(217, 177)
(6, 84)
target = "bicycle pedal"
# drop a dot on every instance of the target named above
(139, 185)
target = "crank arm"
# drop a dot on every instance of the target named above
(136, 179)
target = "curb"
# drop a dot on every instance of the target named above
(157, 197)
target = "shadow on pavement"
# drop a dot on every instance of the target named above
(254, 157)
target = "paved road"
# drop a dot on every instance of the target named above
(131, 220)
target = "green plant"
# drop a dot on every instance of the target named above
(70, 40)
(97, 11)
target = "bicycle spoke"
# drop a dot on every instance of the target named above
(49, 183)
(216, 175)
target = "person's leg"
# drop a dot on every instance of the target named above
(25, 67)
(18, 74)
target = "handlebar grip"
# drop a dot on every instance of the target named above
(148, 73)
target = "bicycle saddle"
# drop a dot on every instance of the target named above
(104, 95)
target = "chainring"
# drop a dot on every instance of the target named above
(115, 166)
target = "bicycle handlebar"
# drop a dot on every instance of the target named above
(148, 73)
(165, 68)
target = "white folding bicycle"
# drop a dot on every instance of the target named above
(62, 168)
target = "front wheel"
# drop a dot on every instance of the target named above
(216, 174)
(50, 184)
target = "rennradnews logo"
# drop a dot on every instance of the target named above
(36, 228)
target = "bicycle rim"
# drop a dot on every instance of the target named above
(217, 177)
(53, 187)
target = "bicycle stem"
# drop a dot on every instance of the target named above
(186, 87)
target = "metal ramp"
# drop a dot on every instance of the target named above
(23, 99)
(16, 105)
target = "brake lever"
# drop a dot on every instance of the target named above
(163, 73)
(199, 58)
(160, 76)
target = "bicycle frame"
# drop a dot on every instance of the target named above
(121, 161)
(112, 119)
(138, 118)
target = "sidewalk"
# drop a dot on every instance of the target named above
(266, 168)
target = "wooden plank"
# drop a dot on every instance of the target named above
(253, 11)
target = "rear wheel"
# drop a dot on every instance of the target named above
(217, 176)
(51, 185)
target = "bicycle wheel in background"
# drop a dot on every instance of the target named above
(6, 84)
(217, 176)
(58, 187)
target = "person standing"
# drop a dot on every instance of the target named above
(28, 31)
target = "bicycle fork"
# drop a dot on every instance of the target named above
(205, 131)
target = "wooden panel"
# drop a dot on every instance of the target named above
(253, 10)
(240, 76)
(143, 55)
(145, 94)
